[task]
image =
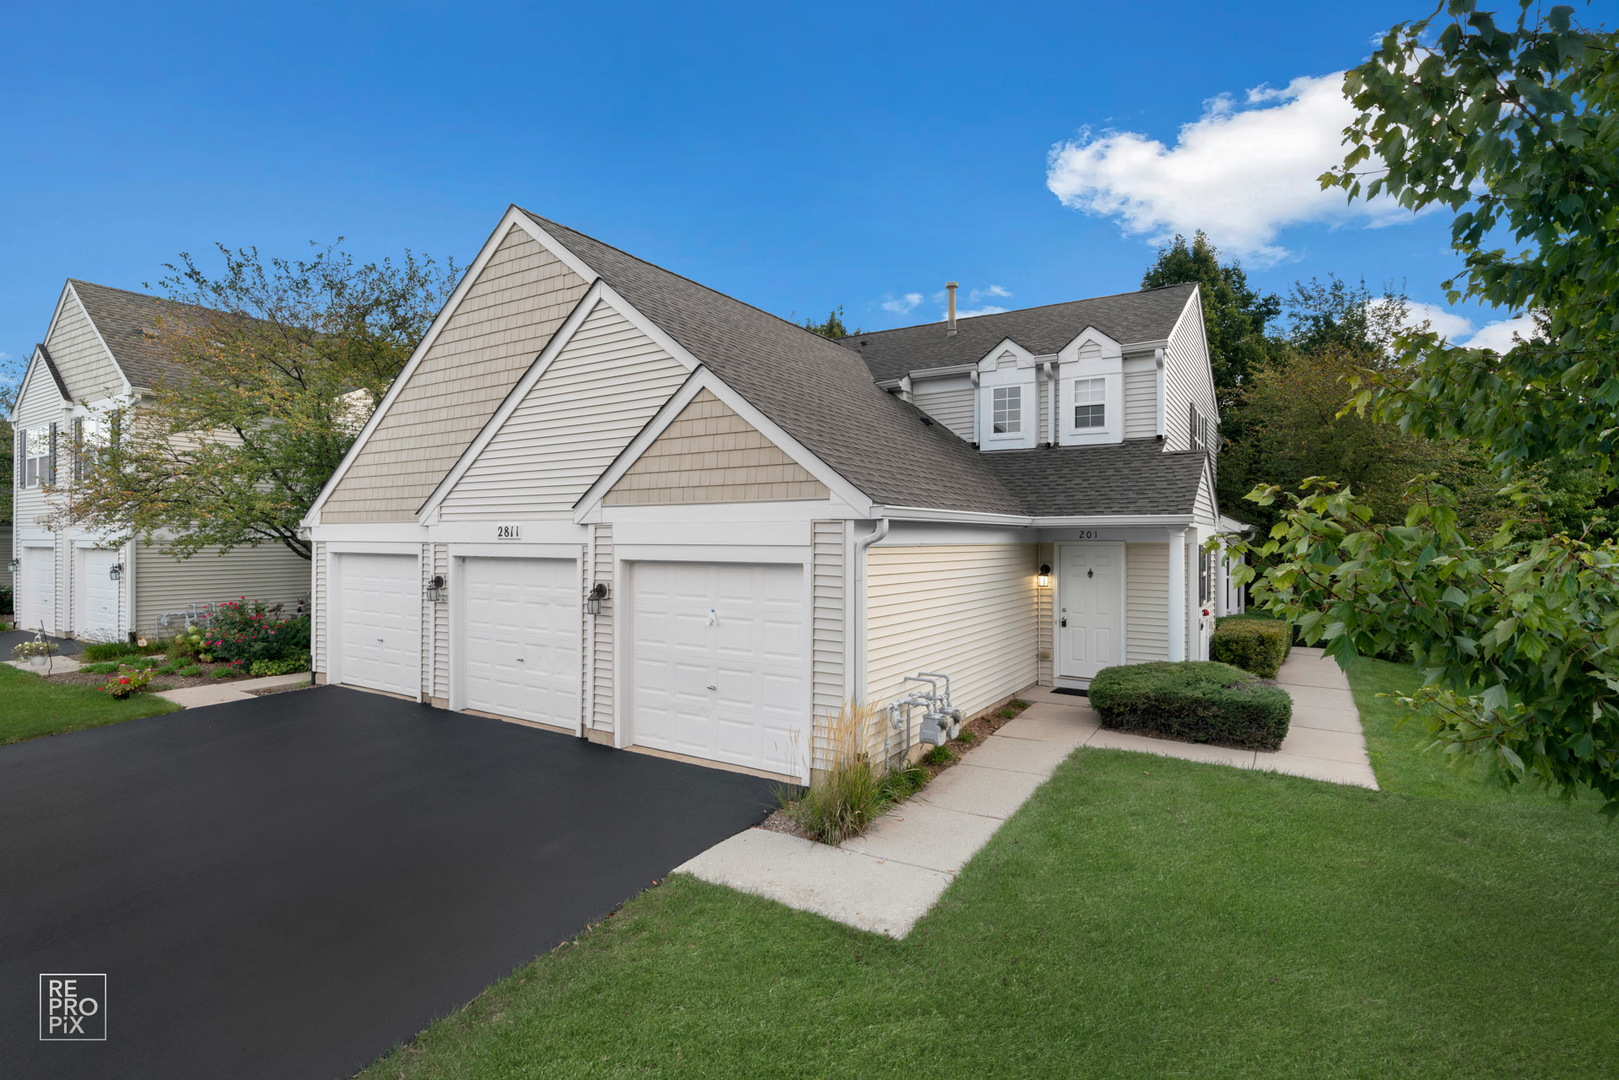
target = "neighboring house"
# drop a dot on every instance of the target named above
(604, 498)
(103, 350)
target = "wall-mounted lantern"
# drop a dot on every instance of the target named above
(1045, 575)
(593, 600)
(435, 589)
(115, 571)
(14, 566)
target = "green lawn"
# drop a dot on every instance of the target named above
(31, 707)
(1140, 917)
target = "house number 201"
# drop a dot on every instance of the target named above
(508, 532)
(1088, 534)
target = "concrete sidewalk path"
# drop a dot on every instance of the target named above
(887, 878)
(193, 697)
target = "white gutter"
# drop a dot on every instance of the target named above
(879, 530)
(1044, 521)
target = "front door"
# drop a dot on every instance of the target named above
(1090, 618)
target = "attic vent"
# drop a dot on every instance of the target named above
(927, 420)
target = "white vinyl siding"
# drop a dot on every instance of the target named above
(80, 357)
(321, 604)
(39, 404)
(1045, 629)
(949, 401)
(598, 393)
(1140, 401)
(827, 646)
(1187, 380)
(1204, 505)
(965, 610)
(436, 681)
(600, 662)
(495, 333)
(1146, 602)
(165, 585)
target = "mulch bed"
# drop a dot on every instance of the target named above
(973, 733)
(158, 683)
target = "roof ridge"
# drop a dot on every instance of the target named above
(1019, 311)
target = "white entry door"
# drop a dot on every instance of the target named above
(379, 610)
(96, 596)
(1090, 609)
(39, 589)
(523, 620)
(720, 663)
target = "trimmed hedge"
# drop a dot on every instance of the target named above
(1198, 701)
(1255, 644)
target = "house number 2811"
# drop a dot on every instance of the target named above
(508, 532)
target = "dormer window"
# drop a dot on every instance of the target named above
(1090, 404)
(1007, 416)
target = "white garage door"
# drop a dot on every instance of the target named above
(39, 598)
(379, 608)
(97, 597)
(720, 661)
(522, 638)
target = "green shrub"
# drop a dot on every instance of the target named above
(191, 671)
(129, 681)
(261, 668)
(1258, 646)
(106, 667)
(246, 630)
(1196, 701)
(227, 671)
(109, 650)
(898, 784)
(939, 755)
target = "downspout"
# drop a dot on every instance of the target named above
(879, 531)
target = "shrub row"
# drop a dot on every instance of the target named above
(1254, 643)
(1199, 701)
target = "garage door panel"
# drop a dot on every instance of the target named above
(522, 638)
(40, 567)
(378, 618)
(754, 655)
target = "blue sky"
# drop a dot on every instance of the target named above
(797, 156)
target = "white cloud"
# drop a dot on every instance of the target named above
(986, 309)
(901, 305)
(977, 295)
(1241, 173)
(1460, 330)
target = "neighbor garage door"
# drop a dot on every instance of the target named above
(523, 619)
(720, 663)
(379, 606)
(39, 585)
(97, 596)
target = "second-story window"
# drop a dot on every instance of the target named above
(1007, 418)
(37, 457)
(1090, 404)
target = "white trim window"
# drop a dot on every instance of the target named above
(36, 457)
(1090, 404)
(1006, 415)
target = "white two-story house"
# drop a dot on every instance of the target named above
(608, 500)
(103, 350)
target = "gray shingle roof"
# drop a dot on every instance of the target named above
(123, 319)
(1132, 477)
(823, 395)
(1127, 318)
(818, 392)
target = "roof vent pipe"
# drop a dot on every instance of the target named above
(950, 324)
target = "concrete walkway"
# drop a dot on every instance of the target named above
(59, 665)
(192, 697)
(888, 878)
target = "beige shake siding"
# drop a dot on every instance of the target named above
(709, 454)
(1146, 602)
(949, 401)
(597, 394)
(599, 630)
(76, 349)
(1140, 400)
(165, 585)
(965, 610)
(506, 317)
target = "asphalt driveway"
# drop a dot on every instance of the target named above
(289, 886)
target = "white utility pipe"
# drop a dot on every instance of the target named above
(879, 531)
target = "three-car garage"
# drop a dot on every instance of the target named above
(713, 658)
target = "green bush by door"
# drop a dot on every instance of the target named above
(1195, 701)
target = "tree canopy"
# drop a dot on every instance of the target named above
(1235, 316)
(277, 365)
(832, 326)
(1513, 131)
